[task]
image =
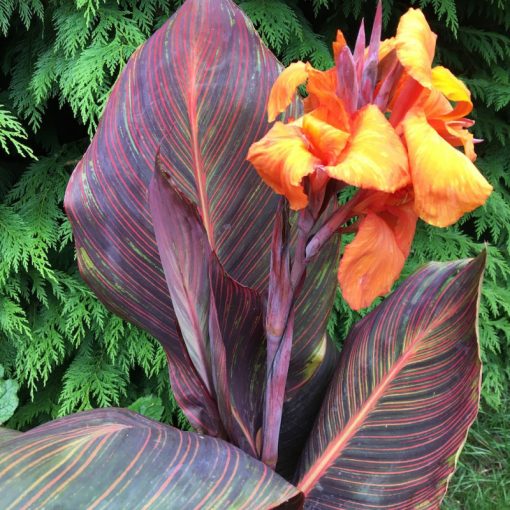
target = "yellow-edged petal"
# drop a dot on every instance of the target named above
(446, 183)
(386, 47)
(284, 89)
(370, 264)
(416, 45)
(327, 141)
(453, 88)
(282, 159)
(374, 157)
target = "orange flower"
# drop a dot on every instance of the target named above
(409, 164)
(356, 146)
(446, 183)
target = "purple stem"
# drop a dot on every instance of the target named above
(276, 380)
(305, 226)
(330, 227)
(285, 284)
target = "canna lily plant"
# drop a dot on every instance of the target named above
(218, 231)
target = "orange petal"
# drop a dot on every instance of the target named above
(379, 201)
(370, 201)
(453, 89)
(446, 183)
(461, 137)
(282, 159)
(407, 94)
(327, 141)
(386, 47)
(284, 89)
(374, 157)
(321, 88)
(416, 45)
(397, 209)
(402, 220)
(339, 44)
(434, 104)
(370, 264)
(455, 133)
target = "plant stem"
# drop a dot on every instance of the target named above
(330, 227)
(278, 367)
(305, 226)
(285, 284)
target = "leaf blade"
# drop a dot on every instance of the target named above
(202, 115)
(237, 313)
(150, 465)
(185, 252)
(416, 391)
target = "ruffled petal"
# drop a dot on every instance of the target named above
(321, 88)
(416, 45)
(402, 220)
(327, 141)
(446, 183)
(374, 157)
(453, 89)
(370, 264)
(458, 136)
(434, 104)
(455, 133)
(282, 159)
(284, 88)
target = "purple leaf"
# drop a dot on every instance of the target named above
(238, 350)
(402, 399)
(112, 458)
(196, 91)
(185, 253)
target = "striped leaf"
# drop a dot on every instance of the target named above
(314, 357)
(185, 253)
(220, 320)
(7, 434)
(238, 351)
(197, 92)
(112, 458)
(404, 395)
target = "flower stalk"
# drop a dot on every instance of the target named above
(286, 279)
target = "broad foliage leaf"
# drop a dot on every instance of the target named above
(220, 321)
(185, 253)
(196, 91)
(238, 350)
(7, 434)
(112, 458)
(402, 399)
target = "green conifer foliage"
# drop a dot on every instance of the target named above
(59, 60)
